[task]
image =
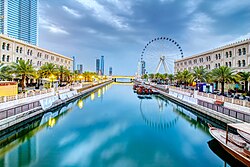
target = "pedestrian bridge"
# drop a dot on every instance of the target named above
(123, 77)
(120, 78)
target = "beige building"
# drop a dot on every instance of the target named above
(235, 55)
(12, 50)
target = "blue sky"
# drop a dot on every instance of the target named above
(119, 29)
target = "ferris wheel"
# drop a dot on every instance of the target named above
(161, 51)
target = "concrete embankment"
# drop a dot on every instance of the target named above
(46, 105)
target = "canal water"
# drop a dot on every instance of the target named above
(114, 127)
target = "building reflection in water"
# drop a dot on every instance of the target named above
(80, 103)
(92, 96)
(24, 155)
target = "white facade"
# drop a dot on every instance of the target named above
(236, 56)
(12, 50)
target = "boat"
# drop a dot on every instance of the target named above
(233, 144)
(245, 135)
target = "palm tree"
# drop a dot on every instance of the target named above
(48, 69)
(23, 69)
(5, 72)
(62, 71)
(151, 76)
(171, 78)
(186, 75)
(245, 76)
(145, 76)
(200, 73)
(223, 75)
(178, 77)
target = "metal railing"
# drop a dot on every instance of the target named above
(19, 109)
(232, 113)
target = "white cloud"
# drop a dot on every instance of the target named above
(200, 23)
(53, 28)
(82, 152)
(121, 5)
(71, 11)
(192, 5)
(225, 7)
(104, 14)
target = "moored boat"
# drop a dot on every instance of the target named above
(233, 144)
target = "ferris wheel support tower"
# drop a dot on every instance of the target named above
(162, 62)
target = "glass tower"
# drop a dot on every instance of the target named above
(102, 65)
(19, 19)
(97, 66)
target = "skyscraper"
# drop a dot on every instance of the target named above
(18, 19)
(102, 65)
(143, 67)
(97, 65)
(80, 68)
(110, 71)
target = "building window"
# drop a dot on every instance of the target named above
(239, 50)
(216, 65)
(230, 53)
(21, 49)
(243, 51)
(8, 58)
(8, 46)
(3, 58)
(30, 62)
(239, 63)
(28, 52)
(219, 56)
(17, 48)
(226, 54)
(17, 59)
(37, 54)
(226, 64)
(243, 63)
(230, 64)
(216, 57)
(3, 45)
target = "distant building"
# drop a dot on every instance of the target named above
(110, 71)
(74, 63)
(143, 67)
(97, 66)
(102, 65)
(80, 68)
(19, 19)
(235, 55)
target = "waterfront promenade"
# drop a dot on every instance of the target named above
(16, 111)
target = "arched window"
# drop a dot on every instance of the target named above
(243, 63)
(226, 54)
(3, 58)
(17, 48)
(8, 58)
(239, 63)
(226, 64)
(230, 53)
(239, 50)
(8, 46)
(17, 59)
(28, 52)
(21, 49)
(243, 51)
(216, 56)
(3, 45)
(230, 64)
(30, 62)
(216, 65)
(21, 58)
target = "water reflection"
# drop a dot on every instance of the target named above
(156, 113)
